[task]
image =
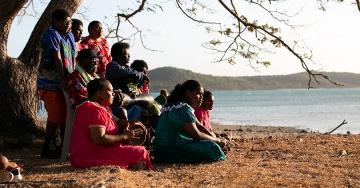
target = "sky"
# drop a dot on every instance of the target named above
(333, 37)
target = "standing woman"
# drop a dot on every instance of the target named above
(98, 43)
(177, 136)
(95, 140)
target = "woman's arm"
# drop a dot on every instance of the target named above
(193, 131)
(99, 137)
(202, 129)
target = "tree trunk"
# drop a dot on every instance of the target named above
(19, 101)
(18, 94)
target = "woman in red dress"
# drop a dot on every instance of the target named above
(95, 140)
(98, 43)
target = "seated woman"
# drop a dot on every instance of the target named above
(177, 136)
(95, 141)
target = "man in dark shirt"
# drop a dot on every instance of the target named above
(119, 73)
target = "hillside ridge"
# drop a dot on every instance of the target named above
(168, 77)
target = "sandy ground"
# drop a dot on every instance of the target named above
(259, 157)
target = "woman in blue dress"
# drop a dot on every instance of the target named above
(179, 138)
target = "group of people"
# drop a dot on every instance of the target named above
(69, 62)
(179, 136)
(78, 80)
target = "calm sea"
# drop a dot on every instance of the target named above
(316, 109)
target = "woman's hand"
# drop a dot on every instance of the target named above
(131, 134)
(222, 142)
(123, 125)
(192, 130)
(99, 136)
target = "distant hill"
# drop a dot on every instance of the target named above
(168, 77)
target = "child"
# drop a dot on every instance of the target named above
(143, 87)
(202, 113)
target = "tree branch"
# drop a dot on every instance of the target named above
(311, 74)
(192, 18)
(127, 19)
(271, 13)
(127, 16)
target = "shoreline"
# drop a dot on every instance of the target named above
(246, 131)
(258, 131)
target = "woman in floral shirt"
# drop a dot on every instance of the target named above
(99, 44)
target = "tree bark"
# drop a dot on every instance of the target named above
(8, 11)
(18, 94)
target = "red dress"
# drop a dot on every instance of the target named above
(101, 46)
(84, 153)
(204, 117)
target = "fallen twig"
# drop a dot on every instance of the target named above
(342, 123)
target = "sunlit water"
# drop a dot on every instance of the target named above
(316, 109)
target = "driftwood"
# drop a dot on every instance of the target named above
(342, 123)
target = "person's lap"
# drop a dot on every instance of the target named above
(190, 152)
(121, 155)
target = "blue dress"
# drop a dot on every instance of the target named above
(173, 145)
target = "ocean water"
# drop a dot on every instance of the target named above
(316, 109)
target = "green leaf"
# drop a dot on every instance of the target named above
(215, 42)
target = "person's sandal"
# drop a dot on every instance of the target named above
(6, 177)
(16, 173)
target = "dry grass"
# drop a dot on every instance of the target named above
(268, 158)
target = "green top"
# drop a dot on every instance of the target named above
(174, 145)
(171, 124)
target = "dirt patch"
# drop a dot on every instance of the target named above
(259, 157)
